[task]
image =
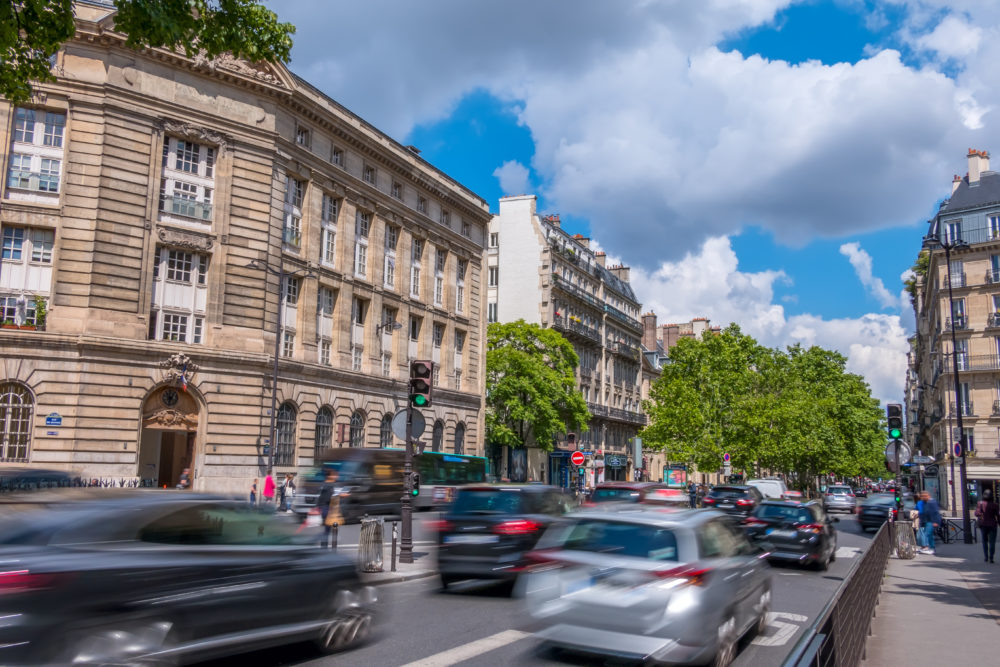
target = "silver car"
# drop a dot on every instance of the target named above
(839, 498)
(643, 582)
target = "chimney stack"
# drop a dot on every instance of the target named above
(979, 161)
(621, 272)
(649, 331)
(671, 333)
(955, 183)
(601, 258)
(553, 220)
(582, 240)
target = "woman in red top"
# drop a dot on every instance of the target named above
(988, 516)
(269, 487)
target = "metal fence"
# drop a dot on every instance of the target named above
(837, 638)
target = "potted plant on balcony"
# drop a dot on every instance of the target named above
(8, 324)
(41, 313)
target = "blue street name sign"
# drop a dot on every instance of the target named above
(54, 419)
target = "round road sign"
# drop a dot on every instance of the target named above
(577, 458)
(958, 449)
(725, 457)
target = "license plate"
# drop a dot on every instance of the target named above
(727, 505)
(471, 539)
(781, 533)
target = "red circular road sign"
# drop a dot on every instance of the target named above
(577, 458)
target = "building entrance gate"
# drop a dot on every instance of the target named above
(169, 434)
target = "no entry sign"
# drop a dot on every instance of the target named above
(577, 458)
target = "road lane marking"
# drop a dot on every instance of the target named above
(847, 552)
(779, 633)
(470, 650)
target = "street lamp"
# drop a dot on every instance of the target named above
(930, 243)
(282, 277)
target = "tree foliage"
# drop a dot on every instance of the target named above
(796, 411)
(531, 393)
(33, 31)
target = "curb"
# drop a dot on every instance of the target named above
(398, 577)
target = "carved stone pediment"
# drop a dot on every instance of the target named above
(178, 366)
(260, 71)
(182, 239)
(171, 420)
(195, 133)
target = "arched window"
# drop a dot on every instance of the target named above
(357, 429)
(385, 431)
(284, 450)
(324, 430)
(460, 438)
(438, 436)
(16, 406)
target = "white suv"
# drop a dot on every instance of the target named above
(769, 488)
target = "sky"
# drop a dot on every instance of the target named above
(771, 163)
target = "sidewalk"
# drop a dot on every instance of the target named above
(424, 565)
(938, 610)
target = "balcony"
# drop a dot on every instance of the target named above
(966, 409)
(958, 280)
(623, 318)
(961, 324)
(996, 409)
(597, 410)
(585, 373)
(978, 362)
(291, 236)
(186, 208)
(992, 276)
(627, 349)
(33, 180)
(565, 324)
(993, 321)
(973, 236)
(565, 286)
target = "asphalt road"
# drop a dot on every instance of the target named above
(478, 624)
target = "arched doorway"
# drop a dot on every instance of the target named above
(169, 433)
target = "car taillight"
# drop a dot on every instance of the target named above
(19, 581)
(811, 528)
(440, 526)
(708, 501)
(517, 527)
(754, 521)
(744, 502)
(694, 576)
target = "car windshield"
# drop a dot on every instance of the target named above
(784, 513)
(728, 493)
(621, 539)
(604, 495)
(489, 501)
(346, 470)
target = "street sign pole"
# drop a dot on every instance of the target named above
(406, 545)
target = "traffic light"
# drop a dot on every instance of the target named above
(894, 413)
(580, 472)
(421, 375)
(414, 484)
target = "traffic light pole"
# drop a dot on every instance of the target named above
(966, 519)
(406, 545)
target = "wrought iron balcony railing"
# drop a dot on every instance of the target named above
(966, 409)
(961, 323)
(566, 324)
(186, 208)
(32, 180)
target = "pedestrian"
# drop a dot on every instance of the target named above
(287, 492)
(185, 481)
(930, 518)
(693, 494)
(253, 492)
(988, 516)
(269, 488)
(328, 503)
(917, 527)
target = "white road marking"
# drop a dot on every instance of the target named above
(847, 552)
(470, 650)
(778, 632)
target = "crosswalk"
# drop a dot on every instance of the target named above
(471, 650)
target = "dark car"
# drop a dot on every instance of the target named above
(793, 531)
(630, 492)
(371, 479)
(875, 510)
(860, 492)
(488, 530)
(166, 578)
(733, 499)
(30, 479)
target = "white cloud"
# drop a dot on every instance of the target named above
(862, 263)
(513, 177)
(708, 283)
(953, 37)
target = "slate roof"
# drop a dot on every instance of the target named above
(967, 196)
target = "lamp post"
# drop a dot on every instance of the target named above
(282, 277)
(956, 244)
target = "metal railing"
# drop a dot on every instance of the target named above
(992, 276)
(33, 180)
(623, 318)
(569, 288)
(977, 362)
(957, 279)
(566, 324)
(838, 636)
(961, 324)
(186, 208)
(966, 409)
(971, 236)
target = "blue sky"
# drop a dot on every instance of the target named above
(768, 162)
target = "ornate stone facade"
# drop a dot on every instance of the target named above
(150, 203)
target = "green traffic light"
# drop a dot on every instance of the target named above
(895, 433)
(419, 400)
(416, 492)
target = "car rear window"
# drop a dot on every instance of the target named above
(839, 490)
(490, 501)
(789, 514)
(728, 493)
(621, 539)
(604, 495)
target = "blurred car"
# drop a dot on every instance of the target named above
(667, 497)
(793, 531)
(29, 479)
(839, 497)
(860, 492)
(676, 586)
(792, 494)
(167, 578)
(632, 492)
(488, 530)
(739, 500)
(769, 488)
(875, 510)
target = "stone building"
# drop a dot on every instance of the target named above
(540, 273)
(151, 206)
(968, 223)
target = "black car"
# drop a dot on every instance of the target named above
(488, 530)
(733, 499)
(166, 577)
(30, 479)
(795, 532)
(875, 510)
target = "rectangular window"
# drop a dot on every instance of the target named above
(440, 257)
(436, 375)
(361, 258)
(438, 290)
(324, 352)
(337, 157)
(416, 251)
(24, 126)
(955, 270)
(386, 364)
(368, 174)
(41, 245)
(288, 344)
(397, 189)
(291, 295)
(994, 227)
(459, 341)
(355, 358)
(175, 327)
(422, 204)
(179, 264)
(302, 136)
(391, 237)
(461, 266)
(466, 229)
(494, 275)
(445, 217)
(13, 242)
(494, 240)
(294, 192)
(199, 325)
(202, 269)
(358, 311)
(324, 302)
(438, 334)
(187, 157)
(180, 282)
(491, 312)
(186, 185)
(389, 272)
(414, 328)
(55, 123)
(328, 227)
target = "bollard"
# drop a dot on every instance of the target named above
(395, 535)
(334, 529)
(370, 544)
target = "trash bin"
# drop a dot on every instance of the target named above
(905, 540)
(370, 544)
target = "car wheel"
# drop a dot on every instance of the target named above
(125, 643)
(763, 607)
(446, 581)
(726, 652)
(823, 564)
(343, 630)
(833, 553)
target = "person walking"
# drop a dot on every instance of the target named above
(988, 517)
(930, 518)
(328, 503)
(253, 492)
(269, 488)
(693, 494)
(287, 492)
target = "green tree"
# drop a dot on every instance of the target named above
(33, 31)
(531, 392)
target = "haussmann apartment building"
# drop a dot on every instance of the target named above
(150, 206)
